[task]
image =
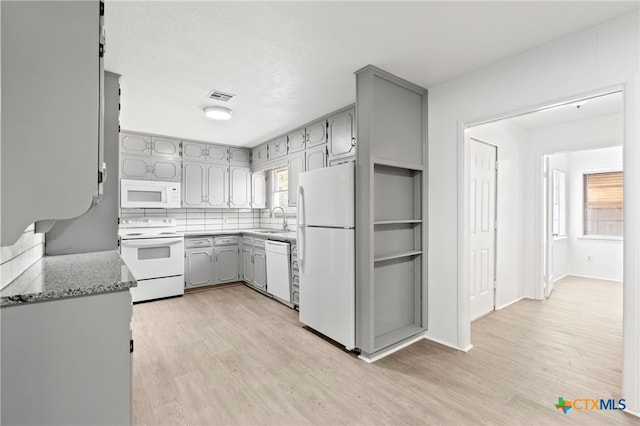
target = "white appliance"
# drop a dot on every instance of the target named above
(149, 194)
(326, 251)
(154, 252)
(278, 276)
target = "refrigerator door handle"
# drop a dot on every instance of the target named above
(300, 238)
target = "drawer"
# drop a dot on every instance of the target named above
(197, 242)
(247, 241)
(258, 243)
(226, 241)
(295, 298)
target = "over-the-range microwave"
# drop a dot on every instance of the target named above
(150, 194)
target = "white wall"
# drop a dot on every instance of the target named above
(607, 255)
(587, 63)
(16, 258)
(509, 139)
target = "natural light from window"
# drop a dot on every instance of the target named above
(603, 204)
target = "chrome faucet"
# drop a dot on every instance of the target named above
(285, 227)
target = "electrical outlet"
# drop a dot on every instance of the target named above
(589, 258)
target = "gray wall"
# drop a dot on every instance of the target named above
(97, 229)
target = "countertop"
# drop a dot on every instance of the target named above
(271, 234)
(70, 275)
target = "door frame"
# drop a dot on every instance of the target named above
(495, 230)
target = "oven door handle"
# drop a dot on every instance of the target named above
(154, 243)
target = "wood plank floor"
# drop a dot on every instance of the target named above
(233, 356)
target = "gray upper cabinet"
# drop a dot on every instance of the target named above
(239, 157)
(131, 143)
(341, 134)
(259, 154)
(278, 148)
(297, 140)
(194, 151)
(240, 187)
(217, 186)
(217, 154)
(316, 133)
(193, 184)
(51, 114)
(258, 191)
(150, 168)
(164, 147)
(141, 144)
(316, 157)
(296, 166)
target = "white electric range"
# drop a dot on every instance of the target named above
(154, 252)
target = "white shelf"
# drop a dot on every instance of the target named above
(395, 222)
(409, 253)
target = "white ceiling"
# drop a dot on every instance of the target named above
(291, 62)
(590, 108)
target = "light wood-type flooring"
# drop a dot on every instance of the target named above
(232, 356)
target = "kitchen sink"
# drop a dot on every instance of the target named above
(272, 231)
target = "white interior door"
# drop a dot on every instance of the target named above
(548, 206)
(482, 229)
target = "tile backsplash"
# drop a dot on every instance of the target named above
(189, 220)
(16, 258)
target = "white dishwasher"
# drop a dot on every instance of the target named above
(278, 276)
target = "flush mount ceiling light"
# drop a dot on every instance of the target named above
(217, 112)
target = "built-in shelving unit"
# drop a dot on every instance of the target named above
(390, 234)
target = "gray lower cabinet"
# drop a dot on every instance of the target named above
(226, 264)
(254, 263)
(341, 135)
(198, 267)
(67, 361)
(260, 268)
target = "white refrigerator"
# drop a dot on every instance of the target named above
(326, 251)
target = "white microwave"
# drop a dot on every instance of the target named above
(150, 194)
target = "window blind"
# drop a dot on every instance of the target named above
(603, 204)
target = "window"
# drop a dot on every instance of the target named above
(280, 187)
(559, 213)
(603, 200)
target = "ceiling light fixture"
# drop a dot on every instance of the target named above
(218, 112)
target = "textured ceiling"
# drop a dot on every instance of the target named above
(291, 62)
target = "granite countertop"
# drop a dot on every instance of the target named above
(70, 275)
(272, 234)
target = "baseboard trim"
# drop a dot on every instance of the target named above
(390, 350)
(633, 413)
(510, 303)
(593, 278)
(440, 342)
(561, 277)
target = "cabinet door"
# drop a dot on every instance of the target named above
(239, 157)
(217, 154)
(134, 168)
(217, 187)
(278, 148)
(240, 187)
(317, 133)
(258, 191)
(164, 147)
(297, 140)
(131, 143)
(198, 268)
(247, 265)
(296, 166)
(226, 264)
(341, 135)
(316, 157)
(194, 151)
(260, 269)
(259, 154)
(193, 180)
(167, 170)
